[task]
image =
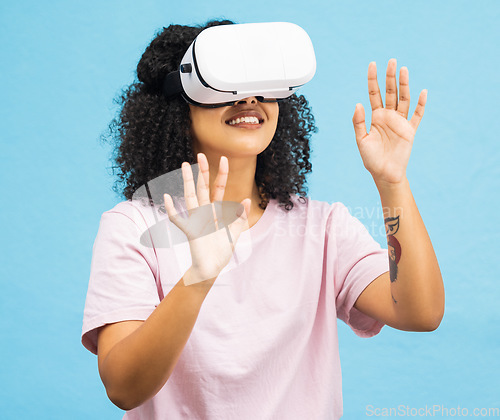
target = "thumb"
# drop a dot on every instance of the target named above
(244, 209)
(242, 219)
(358, 121)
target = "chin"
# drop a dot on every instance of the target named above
(247, 146)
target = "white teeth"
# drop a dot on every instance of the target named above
(246, 120)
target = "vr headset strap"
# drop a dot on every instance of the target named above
(172, 84)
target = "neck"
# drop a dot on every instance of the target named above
(240, 182)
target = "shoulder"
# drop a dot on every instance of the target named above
(306, 206)
(312, 215)
(332, 218)
(131, 211)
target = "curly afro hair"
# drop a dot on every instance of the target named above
(151, 132)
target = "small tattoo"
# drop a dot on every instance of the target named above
(394, 247)
(391, 225)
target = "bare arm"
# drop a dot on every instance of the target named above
(411, 295)
(136, 358)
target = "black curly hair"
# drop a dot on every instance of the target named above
(151, 135)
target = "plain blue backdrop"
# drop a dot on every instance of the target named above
(63, 62)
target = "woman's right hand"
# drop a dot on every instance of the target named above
(210, 250)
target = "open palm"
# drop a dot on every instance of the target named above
(386, 149)
(211, 247)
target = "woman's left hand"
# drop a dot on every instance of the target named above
(386, 149)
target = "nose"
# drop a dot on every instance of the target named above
(249, 100)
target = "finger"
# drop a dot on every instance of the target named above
(391, 87)
(419, 110)
(244, 212)
(189, 191)
(236, 227)
(203, 180)
(404, 92)
(358, 120)
(373, 89)
(220, 180)
(171, 211)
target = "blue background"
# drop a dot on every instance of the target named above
(62, 62)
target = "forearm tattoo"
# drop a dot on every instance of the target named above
(394, 247)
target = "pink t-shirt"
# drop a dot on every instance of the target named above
(265, 343)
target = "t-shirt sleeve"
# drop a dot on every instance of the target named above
(359, 261)
(122, 284)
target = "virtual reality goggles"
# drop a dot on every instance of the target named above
(227, 63)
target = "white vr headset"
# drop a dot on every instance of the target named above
(227, 63)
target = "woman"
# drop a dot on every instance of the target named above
(264, 343)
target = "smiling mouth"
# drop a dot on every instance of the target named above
(245, 121)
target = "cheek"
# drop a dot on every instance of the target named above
(275, 116)
(275, 111)
(272, 112)
(202, 124)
